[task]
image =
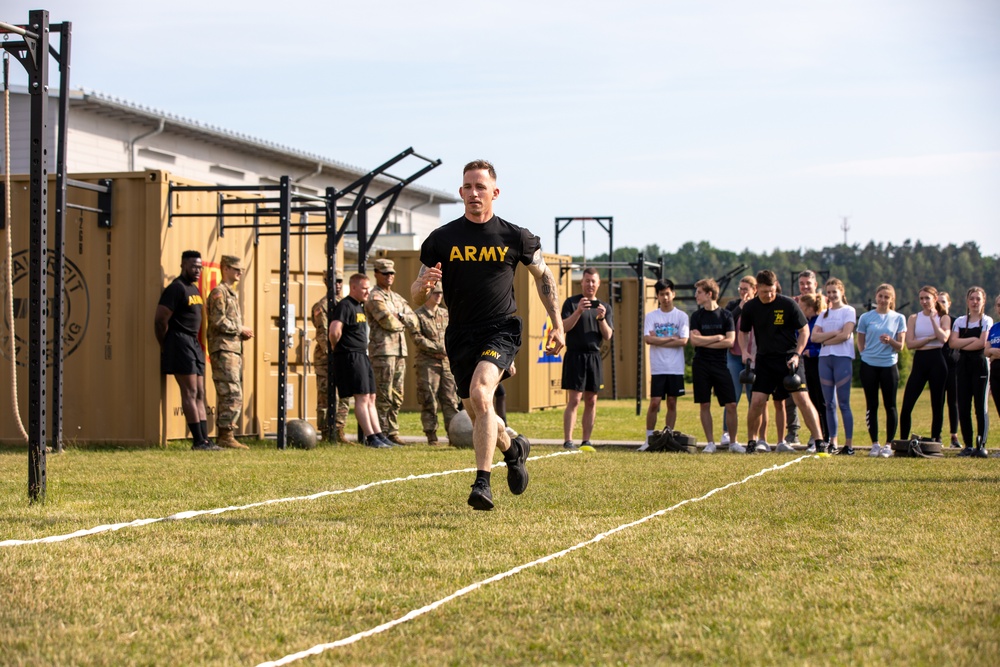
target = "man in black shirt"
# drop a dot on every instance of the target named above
(352, 370)
(588, 323)
(712, 333)
(781, 332)
(475, 257)
(177, 323)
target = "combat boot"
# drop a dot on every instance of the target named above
(432, 437)
(340, 434)
(226, 439)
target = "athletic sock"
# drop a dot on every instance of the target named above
(204, 430)
(483, 475)
(195, 431)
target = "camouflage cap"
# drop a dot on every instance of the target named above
(231, 261)
(383, 265)
(340, 276)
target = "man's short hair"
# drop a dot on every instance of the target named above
(767, 277)
(591, 271)
(662, 284)
(808, 274)
(481, 164)
(710, 286)
(190, 254)
(357, 278)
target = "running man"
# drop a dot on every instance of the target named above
(475, 257)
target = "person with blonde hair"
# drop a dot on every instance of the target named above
(834, 330)
(969, 335)
(880, 337)
(926, 333)
(951, 384)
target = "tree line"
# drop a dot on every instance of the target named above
(907, 267)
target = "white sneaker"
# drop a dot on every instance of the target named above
(811, 449)
(737, 448)
(876, 449)
(762, 447)
(725, 439)
(784, 447)
(886, 451)
(643, 447)
(709, 448)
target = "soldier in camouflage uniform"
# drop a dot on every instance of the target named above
(435, 383)
(320, 357)
(388, 316)
(226, 334)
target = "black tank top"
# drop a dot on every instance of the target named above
(971, 332)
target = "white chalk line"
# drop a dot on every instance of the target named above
(190, 514)
(320, 648)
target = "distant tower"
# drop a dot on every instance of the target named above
(845, 227)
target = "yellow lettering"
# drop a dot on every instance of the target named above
(491, 353)
(361, 318)
(456, 253)
(503, 252)
(470, 253)
(195, 300)
(488, 254)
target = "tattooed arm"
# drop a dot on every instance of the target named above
(426, 279)
(548, 292)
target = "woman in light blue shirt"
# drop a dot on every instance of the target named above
(880, 338)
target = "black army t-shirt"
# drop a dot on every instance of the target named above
(477, 266)
(586, 335)
(774, 324)
(185, 302)
(716, 322)
(354, 333)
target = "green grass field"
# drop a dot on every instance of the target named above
(827, 561)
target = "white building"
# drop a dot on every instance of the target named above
(106, 134)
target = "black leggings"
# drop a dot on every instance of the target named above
(928, 368)
(816, 393)
(884, 379)
(951, 388)
(973, 377)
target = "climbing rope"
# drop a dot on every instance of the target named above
(9, 275)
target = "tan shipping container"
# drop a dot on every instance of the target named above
(112, 387)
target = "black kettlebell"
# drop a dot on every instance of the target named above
(747, 376)
(793, 380)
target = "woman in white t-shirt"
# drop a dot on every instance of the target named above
(926, 333)
(969, 337)
(835, 331)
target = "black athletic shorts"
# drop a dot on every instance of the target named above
(666, 385)
(181, 354)
(583, 371)
(770, 374)
(352, 374)
(712, 376)
(496, 342)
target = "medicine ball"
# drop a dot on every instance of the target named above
(460, 430)
(301, 434)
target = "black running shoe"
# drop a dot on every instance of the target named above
(848, 450)
(206, 446)
(517, 471)
(955, 444)
(752, 447)
(966, 452)
(375, 443)
(481, 497)
(831, 449)
(569, 445)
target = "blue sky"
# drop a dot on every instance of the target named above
(748, 125)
